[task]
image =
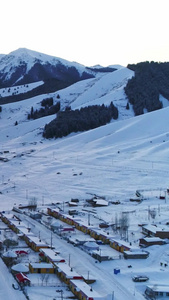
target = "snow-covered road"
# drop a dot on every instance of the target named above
(6, 281)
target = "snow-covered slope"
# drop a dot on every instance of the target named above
(105, 89)
(120, 152)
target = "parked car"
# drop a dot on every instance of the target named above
(140, 278)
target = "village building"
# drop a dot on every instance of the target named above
(80, 240)
(25, 233)
(99, 203)
(120, 245)
(35, 215)
(66, 273)
(84, 291)
(157, 291)
(156, 231)
(101, 255)
(50, 256)
(35, 243)
(150, 241)
(6, 217)
(40, 268)
(16, 225)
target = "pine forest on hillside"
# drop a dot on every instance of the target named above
(143, 90)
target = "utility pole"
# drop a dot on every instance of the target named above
(61, 292)
(148, 212)
(51, 240)
(89, 219)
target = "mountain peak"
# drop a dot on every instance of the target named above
(24, 52)
(26, 66)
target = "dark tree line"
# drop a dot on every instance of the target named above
(80, 120)
(47, 109)
(49, 86)
(143, 90)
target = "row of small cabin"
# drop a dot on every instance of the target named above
(51, 262)
(97, 234)
(23, 231)
(77, 283)
(155, 235)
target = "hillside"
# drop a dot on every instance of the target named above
(95, 91)
(129, 147)
(110, 162)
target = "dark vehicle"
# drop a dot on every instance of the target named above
(140, 278)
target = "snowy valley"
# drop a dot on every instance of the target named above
(107, 164)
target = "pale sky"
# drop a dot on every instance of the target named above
(89, 32)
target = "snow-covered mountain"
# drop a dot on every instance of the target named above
(137, 139)
(24, 66)
(111, 161)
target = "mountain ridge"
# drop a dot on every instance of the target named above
(26, 66)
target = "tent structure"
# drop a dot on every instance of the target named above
(20, 268)
(91, 246)
(10, 254)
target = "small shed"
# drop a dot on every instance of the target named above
(150, 241)
(72, 204)
(35, 215)
(137, 254)
(100, 256)
(100, 202)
